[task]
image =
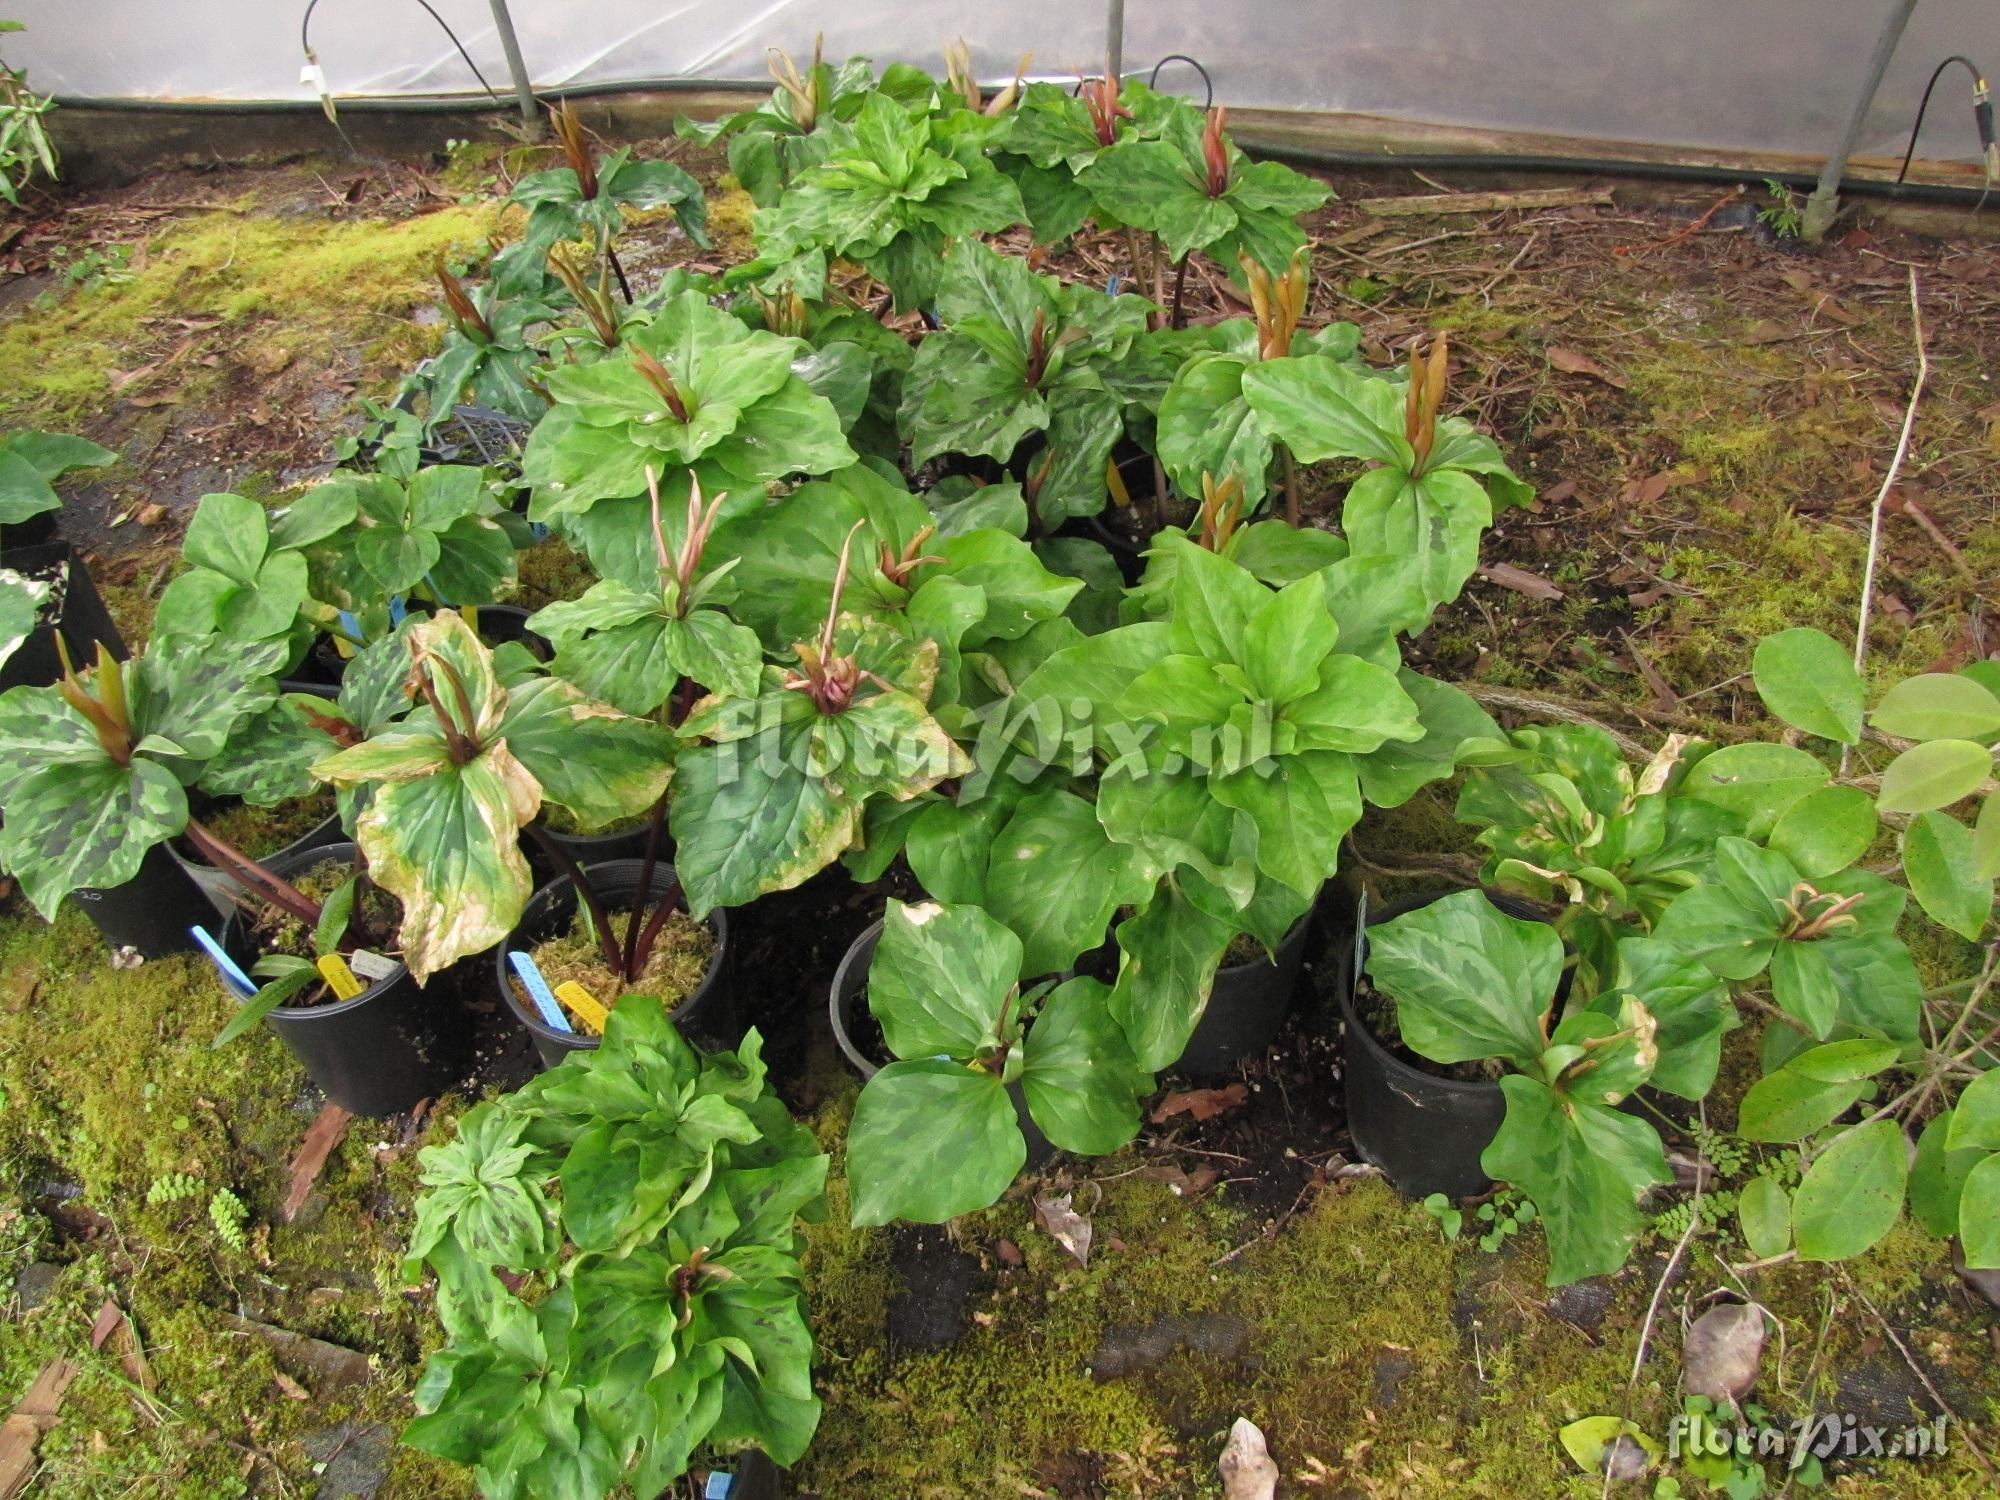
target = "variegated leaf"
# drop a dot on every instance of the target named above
(603, 766)
(86, 823)
(448, 847)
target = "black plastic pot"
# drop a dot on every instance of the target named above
(223, 889)
(850, 986)
(1246, 1008)
(377, 1054)
(37, 530)
(710, 1011)
(1426, 1133)
(81, 617)
(152, 912)
(589, 849)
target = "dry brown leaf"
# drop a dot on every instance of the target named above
(1722, 1353)
(292, 1389)
(325, 1132)
(1570, 362)
(1521, 581)
(1246, 1467)
(1201, 1104)
(1065, 1225)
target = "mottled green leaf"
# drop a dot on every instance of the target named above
(929, 1141)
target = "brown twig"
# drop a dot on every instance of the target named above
(1888, 484)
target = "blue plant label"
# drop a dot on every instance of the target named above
(233, 976)
(539, 991)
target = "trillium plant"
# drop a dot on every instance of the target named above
(938, 1132)
(1472, 984)
(455, 781)
(616, 1252)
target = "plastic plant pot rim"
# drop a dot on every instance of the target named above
(717, 922)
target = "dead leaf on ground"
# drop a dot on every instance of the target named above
(1722, 1353)
(1556, 493)
(1183, 1184)
(1065, 1225)
(1009, 1254)
(1521, 581)
(1202, 1104)
(325, 1132)
(1570, 362)
(112, 1324)
(292, 1389)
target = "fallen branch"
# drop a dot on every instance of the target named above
(1480, 203)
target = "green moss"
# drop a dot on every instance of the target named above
(730, 212)
(258, 831)
(552, 570)
(322, 285)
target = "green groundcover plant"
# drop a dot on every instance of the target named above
(641, 1202)
(1712, 878)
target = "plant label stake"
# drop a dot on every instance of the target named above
(340, 979)
(539, 992)
(584, 1004)
(233, 978)
(372, 967)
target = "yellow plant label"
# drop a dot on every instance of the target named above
(333, 969)
(583, 1005)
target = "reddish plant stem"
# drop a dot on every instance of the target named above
(1291, 486)
(607, 943)
(1179, 318)
(654, 826)
(678, 705)
(280, 892)
(619, 271)
(669, 899)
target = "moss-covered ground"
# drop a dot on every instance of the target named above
(1707, 421)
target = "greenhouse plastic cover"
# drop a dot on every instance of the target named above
(1745, 75)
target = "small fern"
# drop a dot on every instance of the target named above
(228, 1215)
(175, 1187)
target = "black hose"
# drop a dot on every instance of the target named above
(1982, 108)
(1592, 166)
(1206, 82)
(305, 42)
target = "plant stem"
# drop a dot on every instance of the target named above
(654, 825)
(1179, 319)
(1291, 486)
(586, 892)
(668, 899)
(280, 892)
(619, 271)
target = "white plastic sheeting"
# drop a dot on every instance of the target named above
(1752, 75)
